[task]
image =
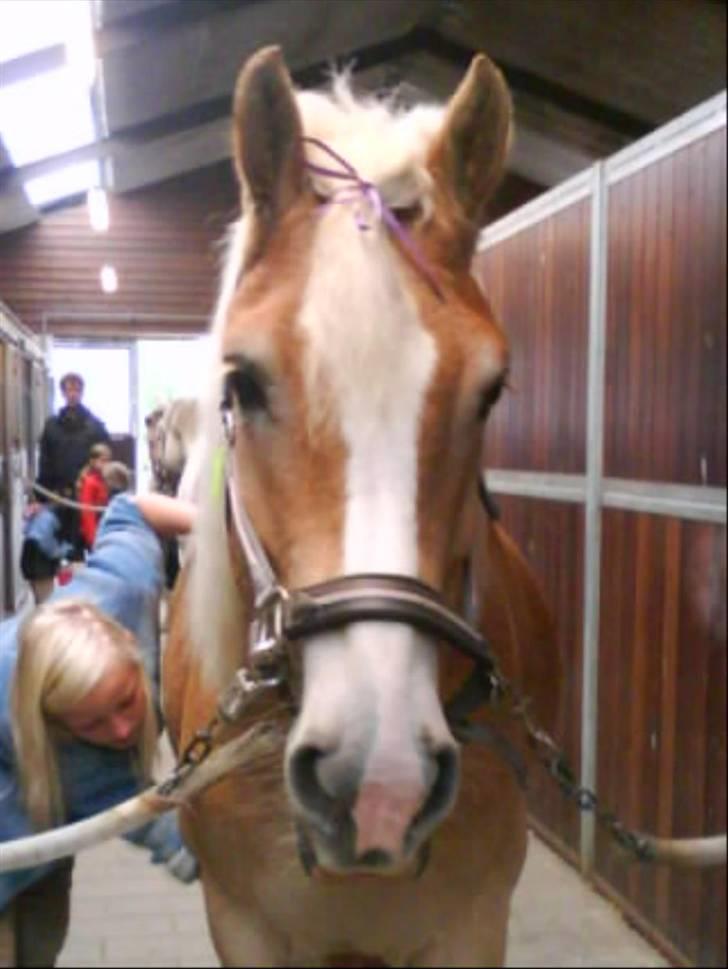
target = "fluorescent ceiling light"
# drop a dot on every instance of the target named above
(71, 180)
(109, 279)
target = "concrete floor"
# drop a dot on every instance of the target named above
(128, 912)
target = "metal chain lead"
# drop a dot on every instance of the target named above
(553, 759)
(236, 699)
(196, 751)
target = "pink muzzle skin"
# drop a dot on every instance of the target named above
(383, 815)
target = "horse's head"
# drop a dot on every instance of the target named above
(171, 432)
(177, 430)
(360, 361)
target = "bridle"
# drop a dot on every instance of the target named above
(283, 618)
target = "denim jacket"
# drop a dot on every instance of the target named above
(42, 528)
(123, 578)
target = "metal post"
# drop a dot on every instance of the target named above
(593, 506)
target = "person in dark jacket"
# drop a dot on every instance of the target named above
(64, 449)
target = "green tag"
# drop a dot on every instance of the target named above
(218, 473)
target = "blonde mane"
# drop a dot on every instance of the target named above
(356, 129)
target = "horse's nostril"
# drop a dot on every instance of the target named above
(367, 820)
(304, 778)
(443, 790)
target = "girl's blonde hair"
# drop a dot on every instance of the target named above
(64, 649)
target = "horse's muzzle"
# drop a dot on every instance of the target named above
(346, 825)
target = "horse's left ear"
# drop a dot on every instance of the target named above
(267, 139)
(469, 154)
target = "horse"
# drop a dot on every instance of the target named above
(343, 561)
(171, 431)
(171, 435)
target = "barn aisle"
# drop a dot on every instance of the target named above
(127, 912)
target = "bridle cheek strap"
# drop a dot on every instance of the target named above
(282, 617)
(261, 571)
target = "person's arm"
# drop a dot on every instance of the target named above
(128, 537)
(168, 516)
(162, 838)
(97, 431)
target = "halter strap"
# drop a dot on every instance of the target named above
(282, 617)
(265, 583)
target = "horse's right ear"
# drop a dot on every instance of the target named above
(267, 139)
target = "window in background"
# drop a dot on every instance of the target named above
(167, 369)
(107, 376)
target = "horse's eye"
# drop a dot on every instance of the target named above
(490, 396)
(407, 214)
(247, 383)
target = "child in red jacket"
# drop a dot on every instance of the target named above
(92, 490)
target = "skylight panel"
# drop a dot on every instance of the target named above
(71, 180)
(50, 113)
(45, 115)
(30, 25)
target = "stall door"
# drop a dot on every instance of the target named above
(16, 471)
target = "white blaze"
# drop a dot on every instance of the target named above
(370, 691)
(367, 343)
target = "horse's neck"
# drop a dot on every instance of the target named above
(516, 620)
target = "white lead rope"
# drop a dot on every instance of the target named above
(39, 849)
(57, 499)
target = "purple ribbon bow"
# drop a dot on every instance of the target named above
(359, 188)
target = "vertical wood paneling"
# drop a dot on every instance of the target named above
(164, 242)
(550, 536)
(537, 284)
(662, 714)
(666, 317)
(661, 758)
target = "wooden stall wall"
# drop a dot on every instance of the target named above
(662, 704)
(23, 386)
(666, 310)
(163, 241)
(537, 282)
(628, 505)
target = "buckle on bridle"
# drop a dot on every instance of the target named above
(267, 652)
(228, 422)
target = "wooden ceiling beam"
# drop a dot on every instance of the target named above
(199, 61)
(599, 50)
